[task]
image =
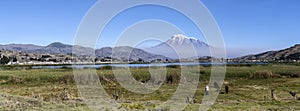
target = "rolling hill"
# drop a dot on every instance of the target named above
(288, 54)
(122, 52)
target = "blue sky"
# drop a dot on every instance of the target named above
(251, 26)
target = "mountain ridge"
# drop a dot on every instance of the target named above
(177, 45)
(123, 52)
(288, 54)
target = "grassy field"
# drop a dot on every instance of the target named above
(249, 88)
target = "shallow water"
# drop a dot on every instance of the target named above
(141, 65)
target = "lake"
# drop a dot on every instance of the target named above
(142, 65)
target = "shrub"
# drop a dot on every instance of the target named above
(4, 77)
(4, 60)
(106, 78)
(295, 75)
(106, 68)
(261, 75)
(276, 76)
(173, 66)
(13, 79)
(172, 78)
(65, 67)
(66, 79)
(143, 77)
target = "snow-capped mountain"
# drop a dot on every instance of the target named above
(181, 46)
(182, 40)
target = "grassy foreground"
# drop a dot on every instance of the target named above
(249, 89)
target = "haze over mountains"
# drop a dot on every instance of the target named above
(178, 46)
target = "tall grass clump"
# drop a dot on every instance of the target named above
(295, 75)
(264, 75)
(66, 79)
(172, 78)
(142, 76)
(106, 68)
(173, 66)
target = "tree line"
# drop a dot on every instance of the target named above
(5, 60)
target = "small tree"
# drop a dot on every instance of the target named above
(14, 59)
(4, 60)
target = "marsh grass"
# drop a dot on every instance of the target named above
(245, 92)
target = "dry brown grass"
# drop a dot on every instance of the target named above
(264, 75)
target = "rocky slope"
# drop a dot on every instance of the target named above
(289, 54)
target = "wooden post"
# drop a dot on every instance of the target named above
(226, 89)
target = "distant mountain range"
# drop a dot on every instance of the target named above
(181, 46)
(288, 54)
(128, 53)
(178, 46)
(20, 47)
(53, 48)
(122, 53)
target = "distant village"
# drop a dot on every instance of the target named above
(9, 57)
(12, 57)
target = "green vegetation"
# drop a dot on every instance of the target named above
(55, 89)
(4, 60)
